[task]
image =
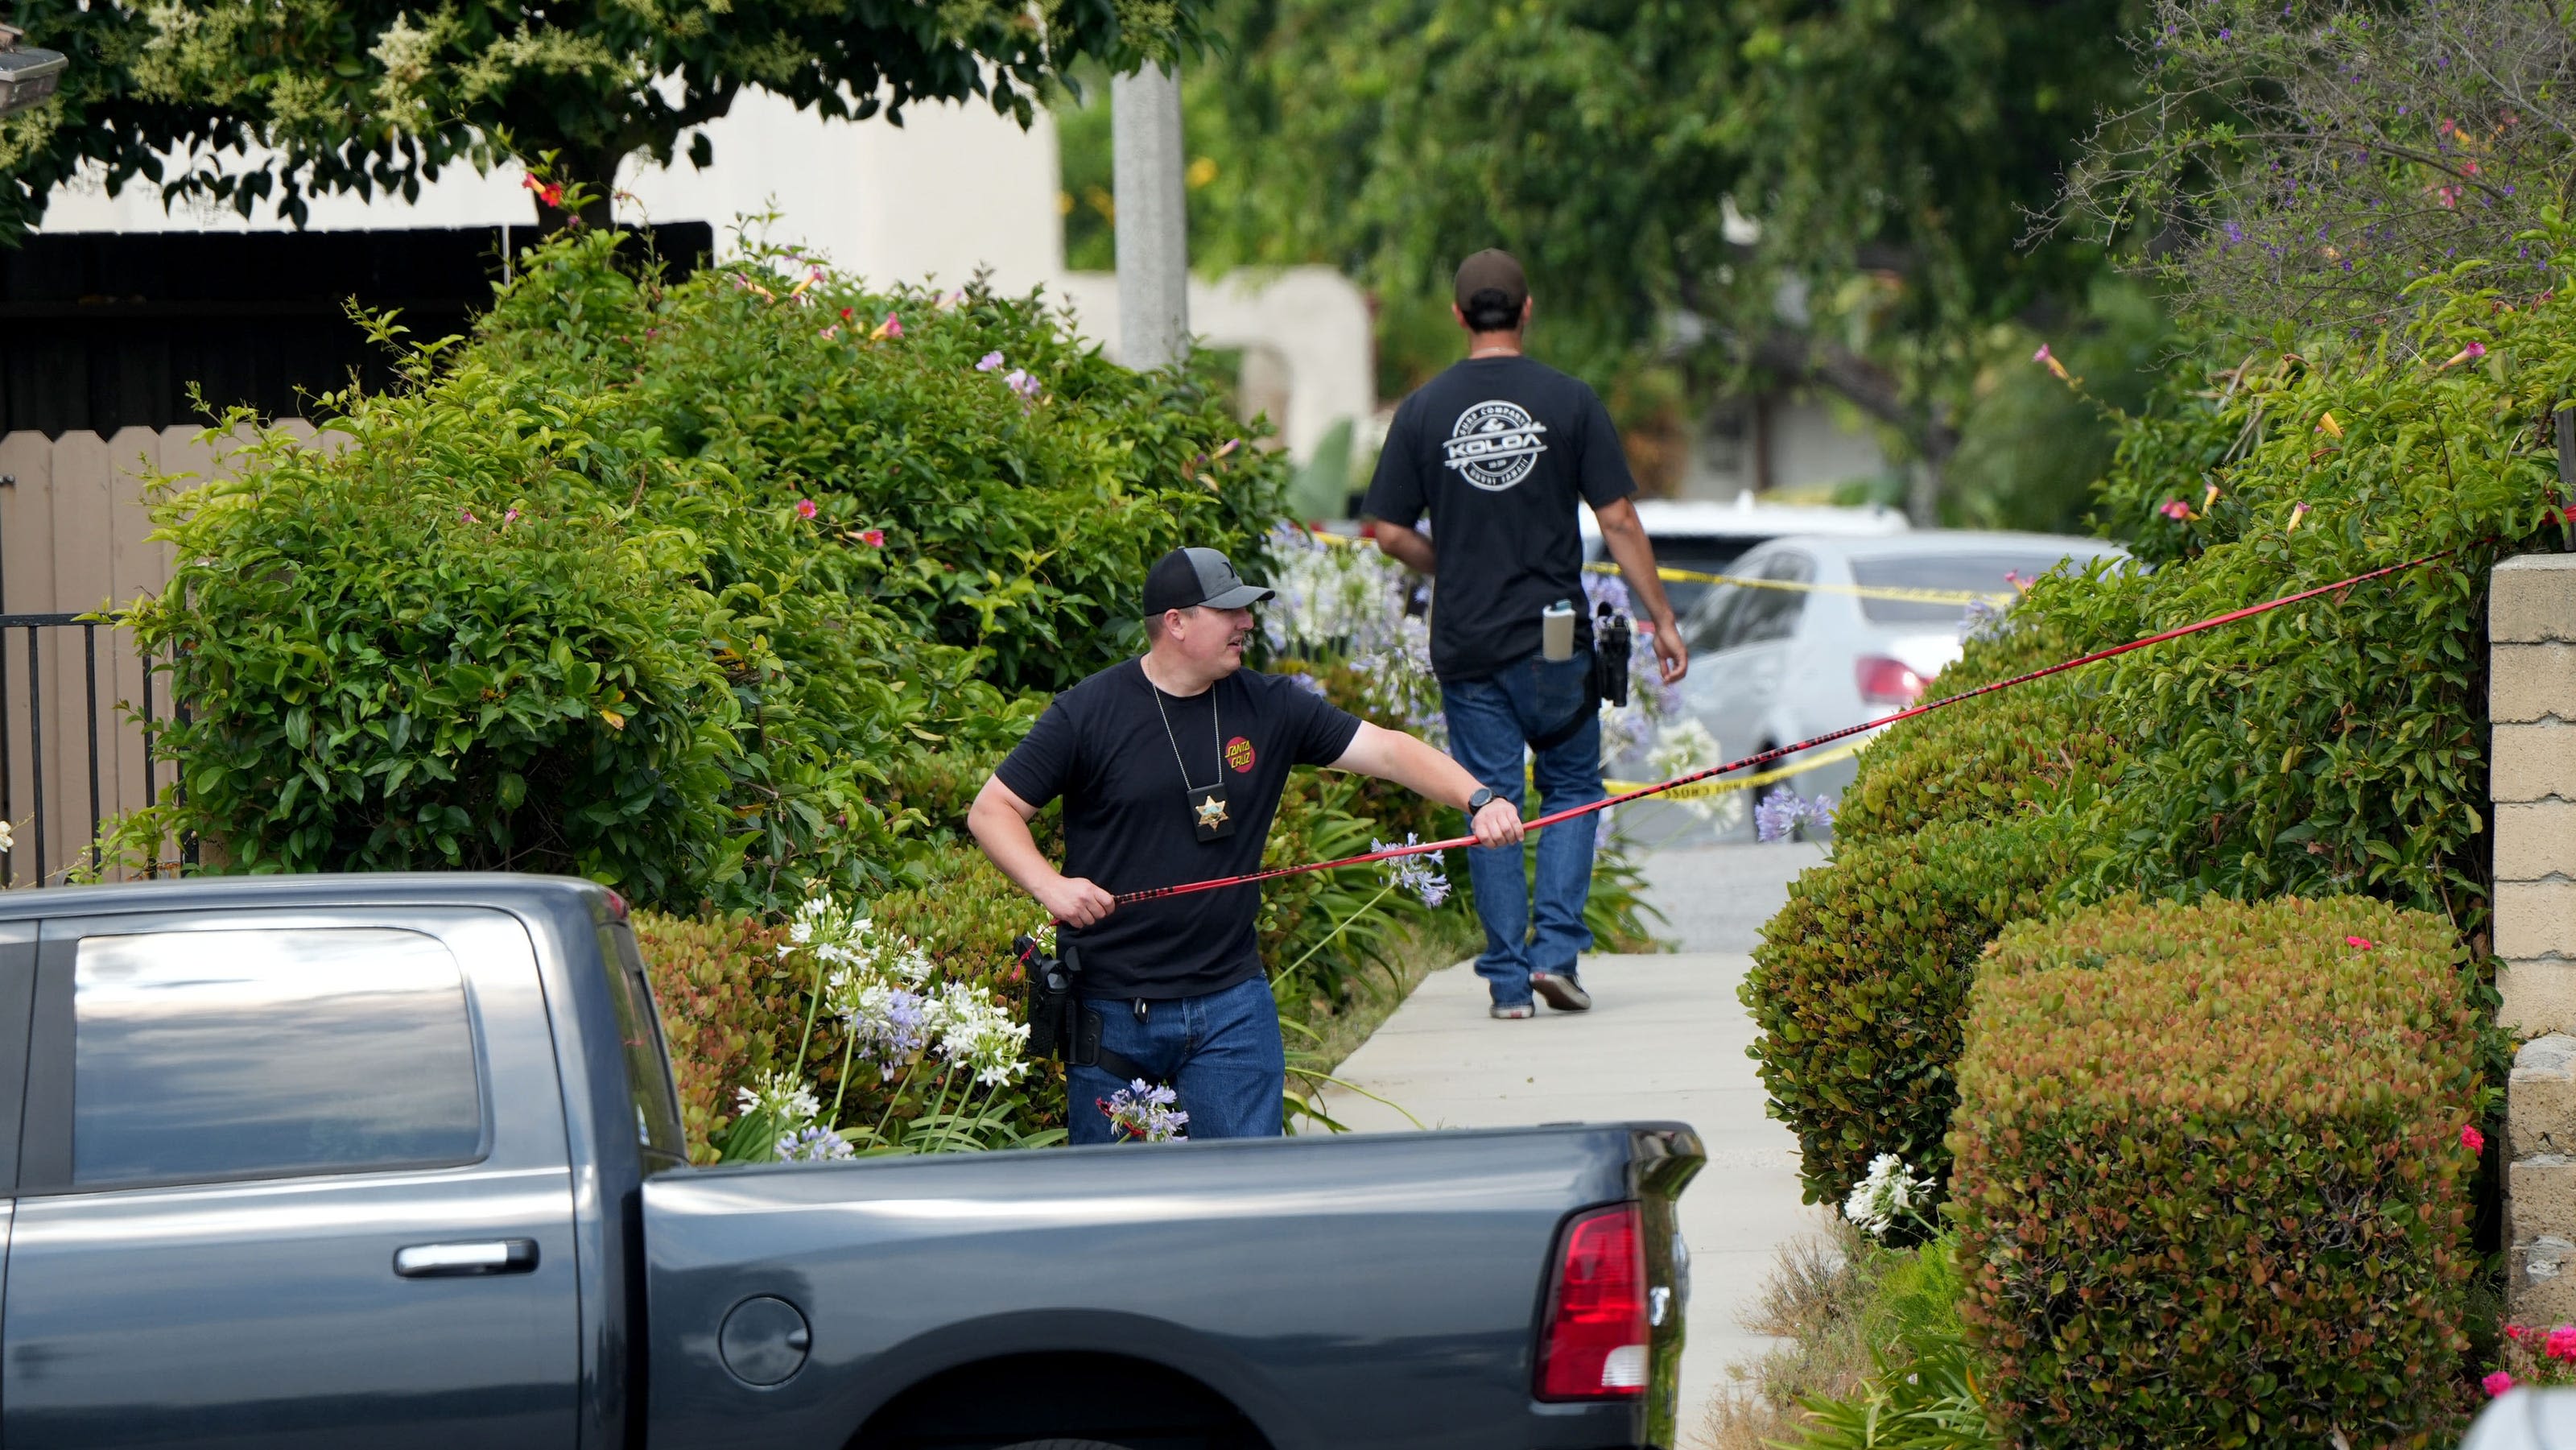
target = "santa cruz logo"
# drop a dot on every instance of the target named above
(1495, 445)
(1238, 753)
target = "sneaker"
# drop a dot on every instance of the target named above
(1562, 993)
(1514, 1011)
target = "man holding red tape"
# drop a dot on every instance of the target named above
(1170, 768)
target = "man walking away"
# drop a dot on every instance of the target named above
(1497, 449)
(1170, 768)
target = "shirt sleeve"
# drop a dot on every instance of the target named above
(1601, 472)
(1038, 768)
(1321, 729)
(1395, 492)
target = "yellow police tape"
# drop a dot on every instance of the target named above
(1694, 576)
(1697, 789)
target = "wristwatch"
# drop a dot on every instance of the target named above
(1483, 797)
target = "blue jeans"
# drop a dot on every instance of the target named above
(1222, 1051)
(1491, 722)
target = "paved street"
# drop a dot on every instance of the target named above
(1666, 1040)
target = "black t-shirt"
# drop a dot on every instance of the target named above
(1498, 449)
(1127, 823)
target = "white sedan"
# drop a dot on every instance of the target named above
(1774, 665)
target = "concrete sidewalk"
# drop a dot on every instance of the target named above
(1665, 1040)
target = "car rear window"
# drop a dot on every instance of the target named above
(1990, 572)
(235, 1054)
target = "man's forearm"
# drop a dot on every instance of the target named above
(1409, 762)
(1635, 555)
(1407, 546)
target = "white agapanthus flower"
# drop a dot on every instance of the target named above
(973, 1033)
(1889, 1192)
(781, 1094)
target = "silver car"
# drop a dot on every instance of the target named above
(1773, 666)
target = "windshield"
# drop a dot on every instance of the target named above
(1995, 572)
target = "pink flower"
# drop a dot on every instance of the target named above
(469, 517)
(510, 517)
(989, 361)
(2175, 509)
(891, 327)
(873, 538)
(2561, 1343)
(2471, 353)
(2362, 942)
(2476, 1142)
(2048, 359)
(2297, 512)
(2515, 1332)
(805, 508)
(2497, 1383)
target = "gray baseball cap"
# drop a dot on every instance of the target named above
(1186, 578)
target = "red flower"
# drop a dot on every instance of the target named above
(2497, 1383)
(2363, 942)
(2175, 509)
(873, 538)
(2561, 1343)
(805, 508)
(846, 314)
(2476, 1142)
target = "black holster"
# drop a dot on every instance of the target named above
(1059, 1025)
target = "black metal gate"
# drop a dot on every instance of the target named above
(58, 756)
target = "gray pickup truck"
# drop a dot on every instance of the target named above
(395, 1161)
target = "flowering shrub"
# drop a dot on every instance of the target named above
(663, 583)
(2534, 1358)
(2209, 1184)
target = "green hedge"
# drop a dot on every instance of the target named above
(1860, 984)
(2210, 1184)
(722, 986)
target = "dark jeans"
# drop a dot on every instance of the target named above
(1491, 722)
(1222, 1051)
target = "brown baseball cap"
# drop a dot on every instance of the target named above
(1494, 268)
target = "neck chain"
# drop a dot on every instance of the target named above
(1216, 727)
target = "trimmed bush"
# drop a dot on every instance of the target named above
(2210, 1184)
(1861, 982)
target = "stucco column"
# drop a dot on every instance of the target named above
(1152, 227)
(2531, 701)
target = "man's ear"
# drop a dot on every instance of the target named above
(1525, 311)
(1460, 313)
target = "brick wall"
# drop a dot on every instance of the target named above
(2531, 625)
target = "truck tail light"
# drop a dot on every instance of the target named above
(1884, 681)
(1595, 1343)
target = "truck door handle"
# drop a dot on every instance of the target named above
(463, 1261)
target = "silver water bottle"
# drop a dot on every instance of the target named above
(1556, 632)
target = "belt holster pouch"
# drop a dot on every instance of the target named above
(1610, 647)
(1048, 1000)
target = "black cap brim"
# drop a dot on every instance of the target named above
(1239, 597)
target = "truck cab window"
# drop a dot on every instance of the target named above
(202, 1055)
(648, 1059)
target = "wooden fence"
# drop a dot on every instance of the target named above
(74, 538)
